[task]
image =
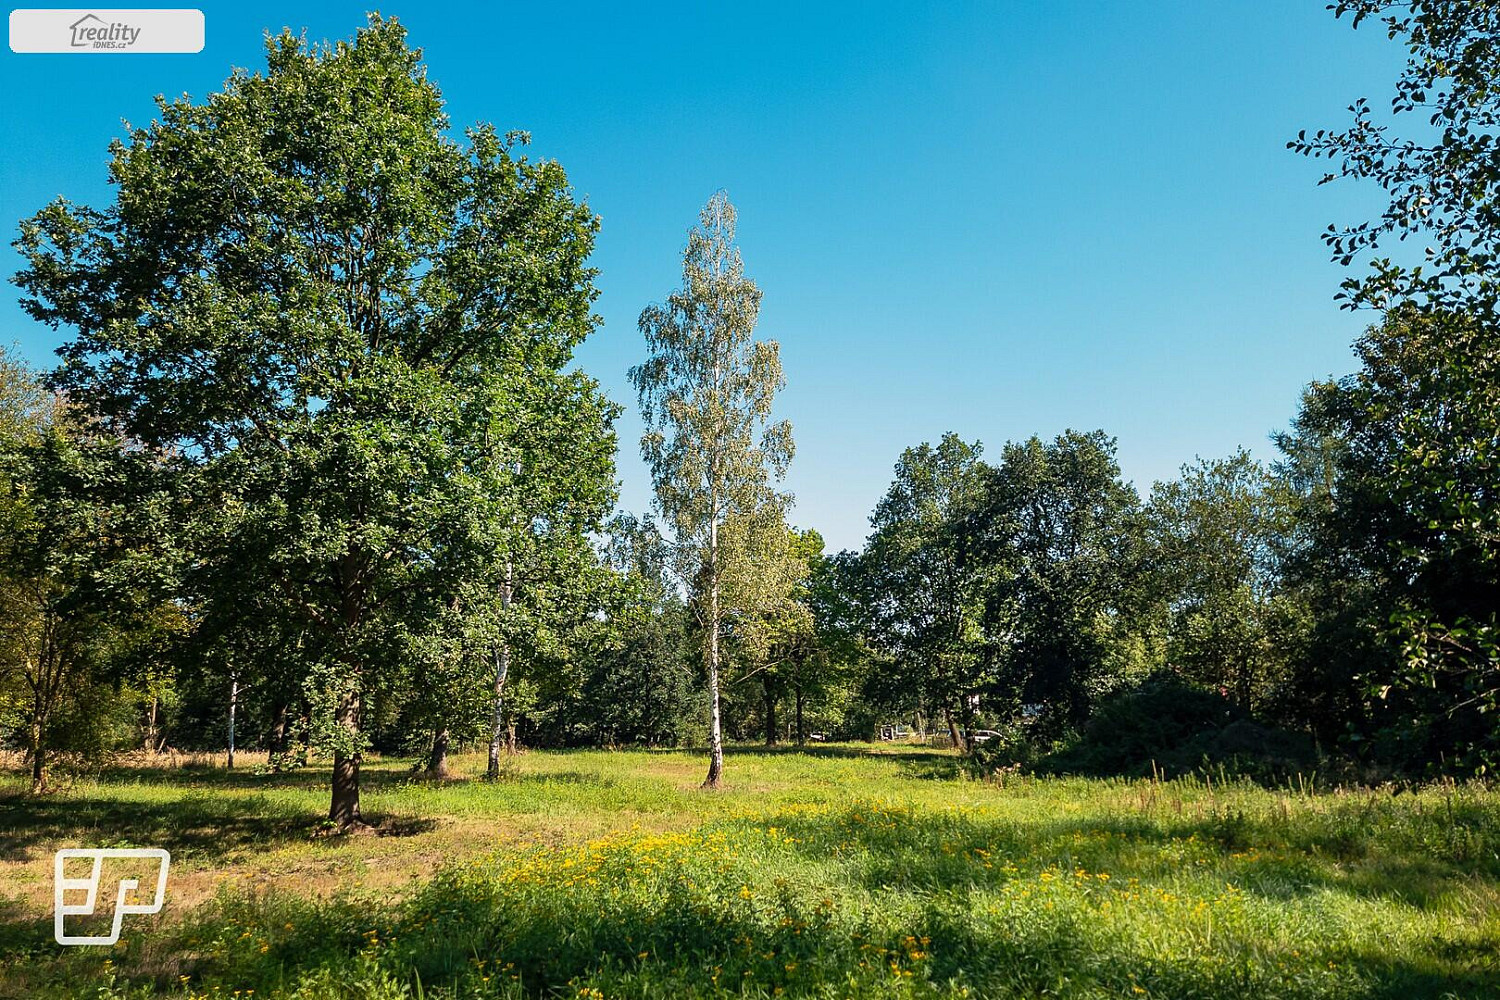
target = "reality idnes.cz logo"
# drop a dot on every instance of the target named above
(93, 32)
(106, 32)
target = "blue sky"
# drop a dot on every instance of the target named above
(994, 218)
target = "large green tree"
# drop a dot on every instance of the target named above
(1418, 422)
(923, 578)
(706, 391)
(1214, 545)
(1442, 177)
(517, 578)
(1404, 546)
(78, 587)
(339, 319)
(1061, 544)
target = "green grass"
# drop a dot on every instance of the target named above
(833, 873)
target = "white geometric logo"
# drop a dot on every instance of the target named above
(127, 887)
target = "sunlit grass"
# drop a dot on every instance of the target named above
(841, 873)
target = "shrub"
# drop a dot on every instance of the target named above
(1169, 726)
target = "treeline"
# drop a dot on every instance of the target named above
(121, 635)
(1345, 594)
(1017, 595)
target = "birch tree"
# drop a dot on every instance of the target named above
(706, 390)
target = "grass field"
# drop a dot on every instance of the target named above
(839, 872)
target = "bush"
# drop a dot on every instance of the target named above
(1168, 726)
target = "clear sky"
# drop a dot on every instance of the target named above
(997, 218)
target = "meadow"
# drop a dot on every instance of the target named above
(840, 871)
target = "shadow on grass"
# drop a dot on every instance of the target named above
(22, 931)
(510, 778)
(193, 825)
(314, 778)
(895, 848)
(213, 814)
(928, 767)
(834, 751)
(910, 762)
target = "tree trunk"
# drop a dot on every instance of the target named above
(343, 812)
(801, 729)
(770, 695)
(437, 761)
(44, 678)
(953, 733)
(501, 655)
(1244, 677)
(149, 743)
(501, 652)
(234, 696)
(277, 739)
(38, 757)
(715, 729)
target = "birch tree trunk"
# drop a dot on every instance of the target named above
(149, 742)
(715, 726)
(234, 697)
